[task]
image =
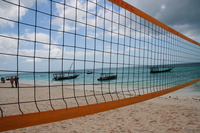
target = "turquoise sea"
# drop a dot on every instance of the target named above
(137, 77)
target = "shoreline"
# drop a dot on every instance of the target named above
(189, 90)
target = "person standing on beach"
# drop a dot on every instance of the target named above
(16, 81)
(2, 79)
(11, 81)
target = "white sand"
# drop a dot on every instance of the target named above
(171, 113)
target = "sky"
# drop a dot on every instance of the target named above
(181, 15)
(30, 38)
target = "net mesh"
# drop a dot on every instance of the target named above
(66, 54)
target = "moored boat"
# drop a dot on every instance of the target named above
(107, 76)
(89, 72)
(159, 70)
(65, 75)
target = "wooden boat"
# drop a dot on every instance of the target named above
(89, 72)
(159, 69)
(107, 76)
(65, 75)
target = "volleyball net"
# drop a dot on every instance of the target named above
(75, 58)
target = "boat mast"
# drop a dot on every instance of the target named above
(70, 68)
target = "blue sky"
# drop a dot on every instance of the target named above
(34, 40)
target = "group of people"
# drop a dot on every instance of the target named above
(16, 80)
(12, 80)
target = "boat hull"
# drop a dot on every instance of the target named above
(167, 70)
(67, 77)
(107, 78)
(89, 72)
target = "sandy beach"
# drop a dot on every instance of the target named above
(176, 112)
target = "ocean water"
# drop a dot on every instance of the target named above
(138, 77)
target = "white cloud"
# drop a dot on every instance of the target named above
(8, 45)
(135, 49)
(40, 37)
(32, 60)
(10, 11)
(93, 20)
(81, 15)
(163, 6)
